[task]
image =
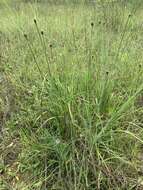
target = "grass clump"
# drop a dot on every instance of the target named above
(71, 97)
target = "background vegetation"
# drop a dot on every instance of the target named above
(71, 95)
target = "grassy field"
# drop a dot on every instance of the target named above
(71, 95)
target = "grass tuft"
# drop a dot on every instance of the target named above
(71, 95)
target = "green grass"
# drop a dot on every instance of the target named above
(71, 96)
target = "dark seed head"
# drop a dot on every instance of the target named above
(140, 66)
(25, 36)
(92, 24)
(42, 32)
(130, 15)
(35, 21)
(107, 72)
(50, 45)
(99, 22)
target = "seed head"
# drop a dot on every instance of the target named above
(130, 15)
(107, 73)
(99, 22)
(42, 32)
(92, 24)
(35, 21)
(25, 36)
(50, 45)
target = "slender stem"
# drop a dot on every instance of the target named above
(34, 57)
(43, 45)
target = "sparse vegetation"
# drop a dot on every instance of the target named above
(71, 95)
